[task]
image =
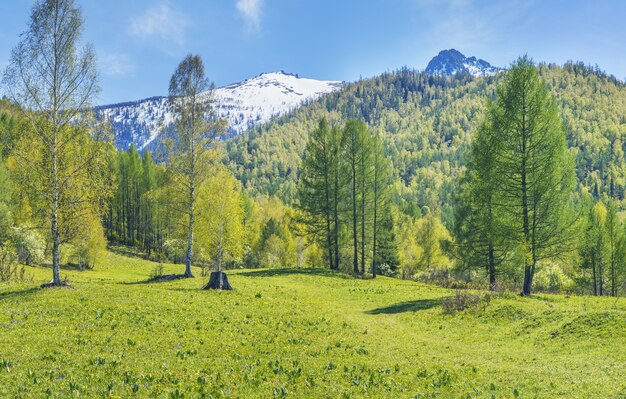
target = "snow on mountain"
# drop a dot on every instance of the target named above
(244, 105)
(450, 62)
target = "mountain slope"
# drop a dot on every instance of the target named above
(450, 62)
(244, 105)
(427, 122)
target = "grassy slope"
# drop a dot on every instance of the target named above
(300, 334)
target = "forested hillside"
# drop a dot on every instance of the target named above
(427, 123)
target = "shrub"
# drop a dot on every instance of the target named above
(461, 301)
(157, 271)
(5, 223)
(550, 278)
(29, 245)
(90, 245)
(9, 269)
(385, 270)
(175, 250)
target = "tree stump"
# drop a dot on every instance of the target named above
(218, 281)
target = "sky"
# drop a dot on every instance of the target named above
(139, 43)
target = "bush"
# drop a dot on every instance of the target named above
(175, 250)
(9, 269)
(90, 245)
(385, 270)
(550, 278)
(29, 245)
(5, 223)
(463, 300)
(157, 271)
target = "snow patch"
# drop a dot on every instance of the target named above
(244, 105)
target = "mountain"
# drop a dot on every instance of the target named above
(427, 123)
(245, 105)
(450, 62)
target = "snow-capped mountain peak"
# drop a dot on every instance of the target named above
(244, 105)
(450, 62)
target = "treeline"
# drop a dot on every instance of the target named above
(520, 219)
(133, 215)
(65, 190)
(344, 195)
(427, 124)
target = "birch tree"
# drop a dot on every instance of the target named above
(60, 159)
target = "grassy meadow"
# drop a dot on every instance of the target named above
(298, 333)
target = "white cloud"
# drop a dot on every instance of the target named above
(162, 22)
(251, 12)
(114, 64)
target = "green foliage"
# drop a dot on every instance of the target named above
(319, 190)
(276, 247)
(220, 229)
(137, 214)
(430, 233)
(601, 250)
(344, 186)
(188, 149)
(54, 80)
(520, 157)
(427, 125)
(89, 246)
(29, 245)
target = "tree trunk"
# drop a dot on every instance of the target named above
(189, 247)
(374, 238)
(336, 216)
(218, 281)
(354, 218)
(363, 228)
(492, 267)
(525, 217)
(600, 277)
(56, 240)
(328, 210)
(593, 275)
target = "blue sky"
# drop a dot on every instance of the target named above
(140, 42)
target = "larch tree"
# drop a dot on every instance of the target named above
(55, 81)
(195, 128)
(317, 189)
(479, 231)
(615, 244)
(595, 246)
(533, 170)
(352, 143)
(382, 174)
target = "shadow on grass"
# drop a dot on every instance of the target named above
(293, 271)
(408, 306)
(160, 279)
(18, 293)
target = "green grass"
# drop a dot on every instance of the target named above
(298, 333)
